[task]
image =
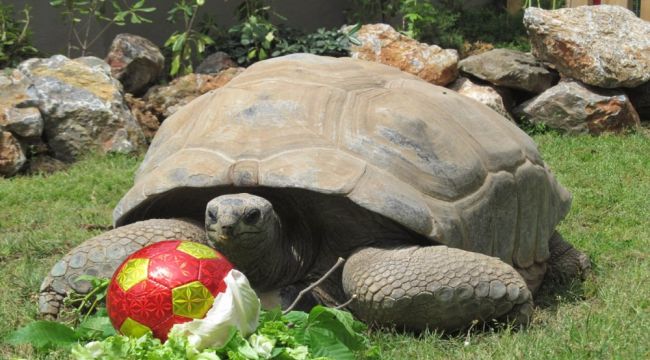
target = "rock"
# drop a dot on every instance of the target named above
(381, 43)
(148, 121)
(43, 164)
(475, 48)
(14, 116)
(135, 61)
(12, 156)
(13, 89)
(24, 122)
(605, 46)
(640, 98)
(484, 94)
(578, 108)
(162, 101)
(215, 63)
(82, 106)
(510, 68)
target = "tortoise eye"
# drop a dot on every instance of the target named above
(252, 216)
(212, 214)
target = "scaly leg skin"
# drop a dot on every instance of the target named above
(434, 287)
(566, 262)
(101, 255)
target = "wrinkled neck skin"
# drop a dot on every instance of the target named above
(263, 251)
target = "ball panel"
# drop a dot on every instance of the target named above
(173, 268)
(149, 302)
(133, 272)
(162, 329)
(197, 250)
(116, 304)
(161, 247)
(133, 328)
(212, 273)
(192, 300)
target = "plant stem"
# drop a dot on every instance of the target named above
(188, 29)
(84, 46)
(311, 287)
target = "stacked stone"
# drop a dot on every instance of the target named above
(54, 110)
(589, 71)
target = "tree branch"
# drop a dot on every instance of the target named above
(311, 287)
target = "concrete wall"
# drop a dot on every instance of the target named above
(50, 34)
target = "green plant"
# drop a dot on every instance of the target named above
(433, 24)
(546, 4)
(83, 15)
(368, 11)
(15, 44)
(254, 39)
(334, 42)
(493, 25)
(187, 44)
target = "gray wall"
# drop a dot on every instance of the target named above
(50, 33)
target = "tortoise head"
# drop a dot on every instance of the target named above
(246, 229)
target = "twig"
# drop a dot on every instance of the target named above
(345, 304)
(311, 287)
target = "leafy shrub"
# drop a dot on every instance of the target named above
(371, 11)
(448, 23)
(15, 37)
(334, 42)
(433, 24)
(82, 15)
(256, 38)
(189, 43)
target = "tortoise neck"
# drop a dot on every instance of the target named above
(282, 258)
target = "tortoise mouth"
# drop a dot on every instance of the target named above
(213, 234)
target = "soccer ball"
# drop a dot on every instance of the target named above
(167, 283)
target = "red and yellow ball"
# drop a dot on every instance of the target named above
(167, 283)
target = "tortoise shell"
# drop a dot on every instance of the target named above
(438, 163)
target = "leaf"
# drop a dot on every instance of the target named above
(176, 64)
(95, 328)
(323, 342)
(341, 323)
(44, 335)
(178, 43)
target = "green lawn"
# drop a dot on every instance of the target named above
(42, 217)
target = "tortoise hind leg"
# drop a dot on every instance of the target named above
(565, 262)
(101, 255)
(433, 287)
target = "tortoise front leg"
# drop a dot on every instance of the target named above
(434, 287)
(101, 255)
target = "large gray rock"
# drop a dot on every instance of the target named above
(577, 108)
(82, 106)
(510, 68)
(605, 46)
(12, 156)
(381, 43)
(640, 97)
(484, 94)
(215, 63)
(135, 61)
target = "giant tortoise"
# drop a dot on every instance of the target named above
(443, 209)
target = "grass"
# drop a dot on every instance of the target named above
(607, 317)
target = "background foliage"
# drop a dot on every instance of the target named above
(15, 36)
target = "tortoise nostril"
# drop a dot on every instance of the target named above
(227, 229)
